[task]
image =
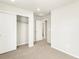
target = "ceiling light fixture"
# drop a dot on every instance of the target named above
(38, 9)
(13, 0)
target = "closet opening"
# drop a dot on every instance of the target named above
(22, 30)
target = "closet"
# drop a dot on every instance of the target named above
(22, 30)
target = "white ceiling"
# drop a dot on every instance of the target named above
(44, 5)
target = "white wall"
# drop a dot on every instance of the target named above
(49, 28)
(5, 8)
(65, 29)
(7, 32)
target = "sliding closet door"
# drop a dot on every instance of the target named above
(7, 32)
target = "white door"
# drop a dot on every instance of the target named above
(38, 30)
(44, 29)
(7, 32)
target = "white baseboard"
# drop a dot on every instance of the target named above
(8, 51)
(66, 52)
(31, 45)
(22, 44)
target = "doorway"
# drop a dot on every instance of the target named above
(22, 30)
(41, 30)
(38, 30)
(44, 30)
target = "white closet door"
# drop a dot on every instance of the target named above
(7, 32)
(38, 30)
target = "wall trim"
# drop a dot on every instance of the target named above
(65, 52)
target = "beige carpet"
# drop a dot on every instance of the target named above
(41, 50)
